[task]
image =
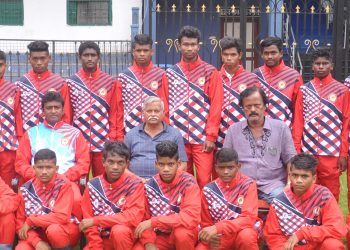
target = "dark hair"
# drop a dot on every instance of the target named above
(304, 162)
(271, 40)
(89, 45)
(229, 42)
(251, 90)
(226, 155)
(190, 32)
(116, 148)
(2, 56)
(167, 149)
(321, 52)
(45, 154)
(51, 95)
(38, 46)
(142, 39)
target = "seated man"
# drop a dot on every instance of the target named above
(113, 203)
(8, 205)
(229, 207)
(66, 141)
(172, 205)
(142, 140)
(305, 215)
(45, 212)
(264, 145)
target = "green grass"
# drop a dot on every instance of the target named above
(343, 195)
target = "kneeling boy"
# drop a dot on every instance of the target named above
(305, 215)
(172, 205)
(46, 201)
(229, 207)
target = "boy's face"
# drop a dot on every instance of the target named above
(167, 168)
(231, 57)
(227, 171)
(115, 166)
(39, 61)
(322, 67)
(301, 180)
(142, 54)
(189, 48)
(272, 56)
(2, 68)
(89, 60)
(45, 170)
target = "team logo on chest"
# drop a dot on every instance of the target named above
(201, 81)
(332, 97)
(282, 85)
(242, 87)
(102, 91)
(64, 141)
(240, 200)
(10, 100)
(121, 201)
(154, 85)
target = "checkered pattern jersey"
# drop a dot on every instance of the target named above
(90, 108)
(107, 201)
(164, 201)
(347, 84)
(279, 90)
(322, 119)
(294, 214)
(225, 204)
(8, 139)
(231, 110)
(188, 103)
(38, 201)
(136, 87)
(32, 91)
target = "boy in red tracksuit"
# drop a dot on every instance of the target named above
(91, 106)
(321, 121)
(32, 86)
(305, 216)
(45, 218)
(9, 202)
(113, 203)
(136, 83)
(193, 98)
(172, 205)
(8, 138)
(229, 207)
(280, 82)
(235, 79)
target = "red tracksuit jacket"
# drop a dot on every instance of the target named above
(313, 217)
(30, 89)
(9, 200)
(321, 118)
(92, 106)
(232, 112)
(134, 85)
(56, 196)
(281, 85)
(121, 202)
(178, 205)
(241, 194)
(193, 97)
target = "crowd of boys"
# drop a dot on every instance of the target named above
(202, 147)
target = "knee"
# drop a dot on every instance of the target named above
(247, 236)
(56, 235)
(332, 243)
(120, 230)
(182, 234)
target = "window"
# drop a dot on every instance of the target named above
(11, 12)
(89, 12)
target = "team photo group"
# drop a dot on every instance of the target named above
(191, 157)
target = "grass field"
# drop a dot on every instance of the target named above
(343, 195)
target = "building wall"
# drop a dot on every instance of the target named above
(47, 20)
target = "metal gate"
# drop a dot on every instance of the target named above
(302, 25)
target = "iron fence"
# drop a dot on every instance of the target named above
(115, 57)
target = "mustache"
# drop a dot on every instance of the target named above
(253, 113)
(152, 117)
